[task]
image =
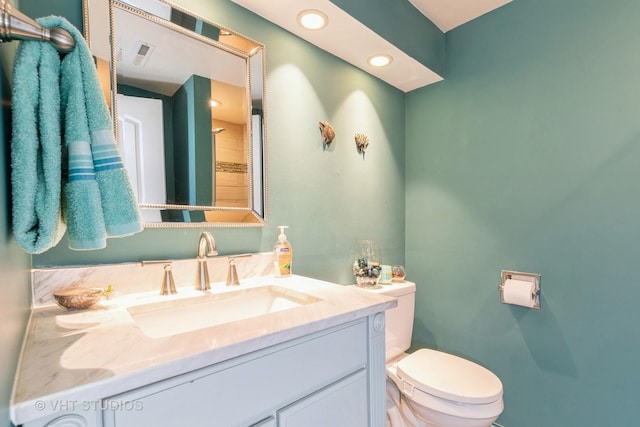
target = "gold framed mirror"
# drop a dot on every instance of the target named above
(187, 97)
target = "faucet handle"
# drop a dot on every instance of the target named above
(168, 284)
(232, 273)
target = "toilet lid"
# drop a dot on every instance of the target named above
(450, 377)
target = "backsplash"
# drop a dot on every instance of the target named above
(127, 278)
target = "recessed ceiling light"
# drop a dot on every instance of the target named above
(312, 19)
(380, 60)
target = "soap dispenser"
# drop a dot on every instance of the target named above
(283, 254)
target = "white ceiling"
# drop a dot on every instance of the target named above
(404, 73)
(449, 14)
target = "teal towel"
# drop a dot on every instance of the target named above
(36, 148)
(99, 201)
(78, 178)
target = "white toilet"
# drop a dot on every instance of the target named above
(428, 387)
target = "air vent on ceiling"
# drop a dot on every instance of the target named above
(141, 53)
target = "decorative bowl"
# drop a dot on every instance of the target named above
(78, 298)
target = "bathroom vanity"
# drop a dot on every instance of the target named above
(317, 359)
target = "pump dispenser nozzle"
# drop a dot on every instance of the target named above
(282, 236)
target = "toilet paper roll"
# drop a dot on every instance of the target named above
(519, 292)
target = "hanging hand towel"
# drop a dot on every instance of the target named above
(99, 201)
(36, 148)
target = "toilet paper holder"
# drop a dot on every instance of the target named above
(518, 275)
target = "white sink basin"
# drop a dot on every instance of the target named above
(176, 316)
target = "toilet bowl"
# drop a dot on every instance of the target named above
(430, 388)
(443, 390)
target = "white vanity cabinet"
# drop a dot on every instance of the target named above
(315, 365)
(319, 380)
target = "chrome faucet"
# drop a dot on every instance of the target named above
(206, 247)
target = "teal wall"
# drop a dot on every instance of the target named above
(15, 293)
(193, 146)
(329, 198)
(526, 158)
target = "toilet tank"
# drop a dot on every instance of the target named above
(399, 320)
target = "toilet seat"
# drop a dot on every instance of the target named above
(442, 381)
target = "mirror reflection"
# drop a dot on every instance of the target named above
(188, 112)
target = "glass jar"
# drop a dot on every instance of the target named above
(367, 263)
(397, 273)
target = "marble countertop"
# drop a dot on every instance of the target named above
(85, 356)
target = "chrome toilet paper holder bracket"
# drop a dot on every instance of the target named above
(527, 277)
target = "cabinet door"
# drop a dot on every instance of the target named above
(269, 422)
(239, 392)
(342, 404)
